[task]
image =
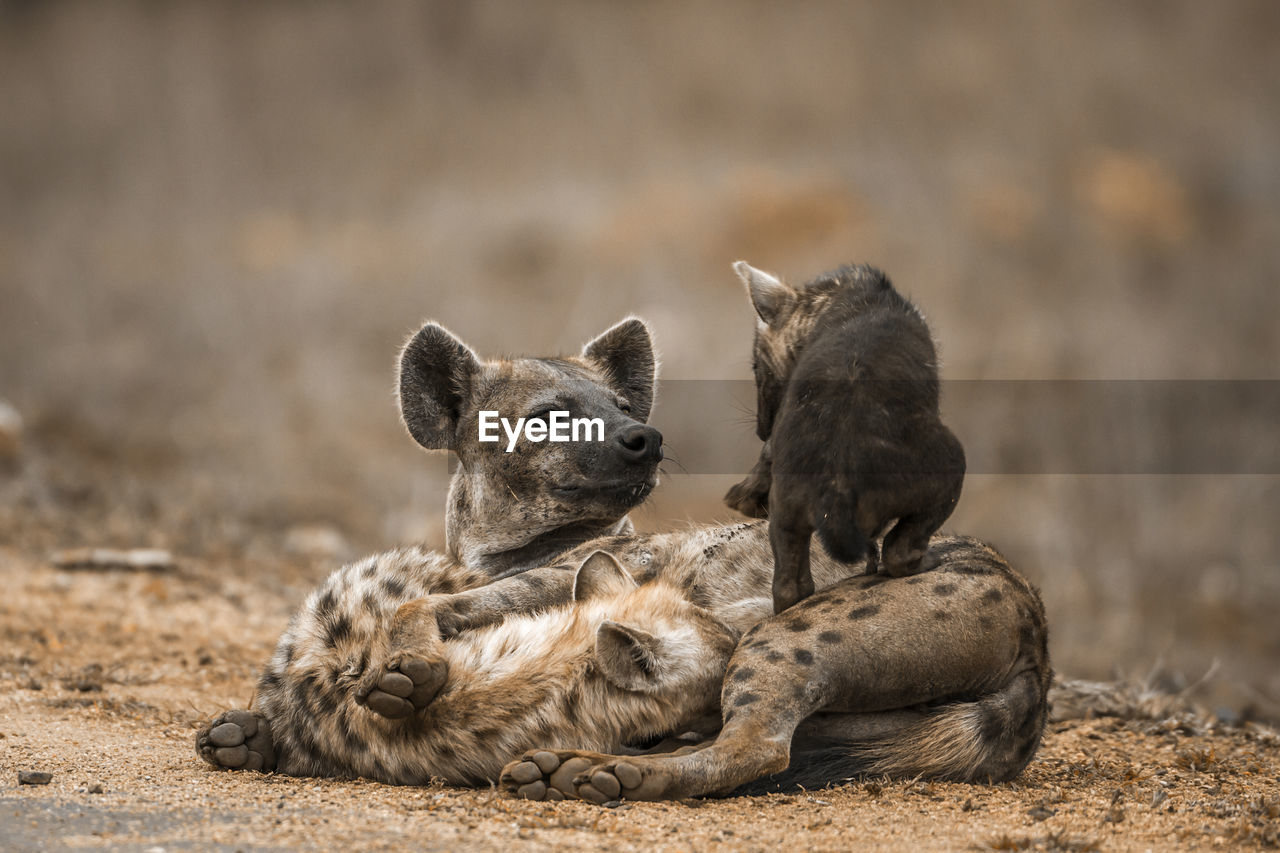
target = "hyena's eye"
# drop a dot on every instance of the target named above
(624, 406)
(541, 415)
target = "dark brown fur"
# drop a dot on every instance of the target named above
(847, 383)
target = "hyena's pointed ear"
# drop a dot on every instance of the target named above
(436, 371)
(769, 296)
(601, 575)
(628, 657)
(625, 354)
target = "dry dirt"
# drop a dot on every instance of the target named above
(219, 221)
(104, 674)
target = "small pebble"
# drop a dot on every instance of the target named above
(95, 788)
(34, 777)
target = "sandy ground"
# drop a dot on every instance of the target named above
(104, 674)
(219, 222)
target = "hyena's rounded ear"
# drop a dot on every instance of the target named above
(628, 657)
(436, 371)
(769, 296)
(625, 354)
(601, 575)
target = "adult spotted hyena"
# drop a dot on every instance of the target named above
(945, 678)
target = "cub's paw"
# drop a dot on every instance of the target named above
(590, 776)
(750, 497)
(405, 686)
(237, 740)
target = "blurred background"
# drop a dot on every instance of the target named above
(218, 223)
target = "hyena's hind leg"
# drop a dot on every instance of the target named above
(406, 677)
(412, 671)
(867, 644)
(906, 546)
(237, 740)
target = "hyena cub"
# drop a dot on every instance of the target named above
(847, 405)
(619, 664)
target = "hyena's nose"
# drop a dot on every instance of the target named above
(640, 443)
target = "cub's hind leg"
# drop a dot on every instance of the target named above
(906, 546)
(925, 500)
(410, 671)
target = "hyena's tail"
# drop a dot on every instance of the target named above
(990, 739)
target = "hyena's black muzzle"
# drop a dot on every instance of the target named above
(619, 472)
(640, 444)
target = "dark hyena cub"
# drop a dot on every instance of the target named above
(847, 405)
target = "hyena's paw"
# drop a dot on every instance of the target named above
(590, 776)
(750, 497)
(405, 686)
(237, 740)
(901, 565)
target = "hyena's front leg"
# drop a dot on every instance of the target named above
(557, 774)
(789, 535)
(751, 496)
(523, 593)
(408, 673)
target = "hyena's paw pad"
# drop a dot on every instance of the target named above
(407, 685)
(546, 775)
(237, 740)
(621, 778)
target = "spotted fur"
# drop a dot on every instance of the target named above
(844, 678)
(532, 679)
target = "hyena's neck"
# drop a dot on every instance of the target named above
(496, 537)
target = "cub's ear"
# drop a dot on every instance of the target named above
(601, 575)
(628, 657)
(436, 371)
(625, 354)
(769, 296)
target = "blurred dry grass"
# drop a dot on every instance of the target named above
(218, 221)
